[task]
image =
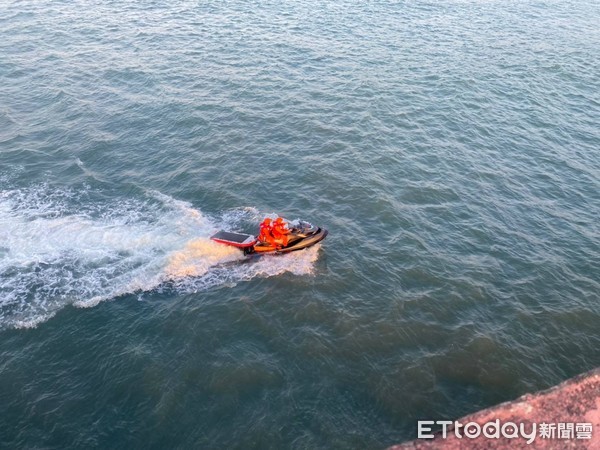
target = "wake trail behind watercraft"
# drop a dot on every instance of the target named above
(55, 252)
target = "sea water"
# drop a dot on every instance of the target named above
(450, 148)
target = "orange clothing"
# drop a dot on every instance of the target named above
(274, 232)
(265, 234)
(280, 232)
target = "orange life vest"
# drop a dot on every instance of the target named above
(280, 232)
(266, 232)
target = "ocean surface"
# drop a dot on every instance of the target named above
(451, 148)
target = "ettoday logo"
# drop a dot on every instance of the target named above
(508, 430)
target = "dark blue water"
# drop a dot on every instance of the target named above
(451, 149)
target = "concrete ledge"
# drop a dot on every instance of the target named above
(574, 401)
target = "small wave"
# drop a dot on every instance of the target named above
(58, 251)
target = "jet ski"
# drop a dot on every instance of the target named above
(299, 235)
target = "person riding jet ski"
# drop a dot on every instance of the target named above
(280, 231)
(274, 232)
(264, 234)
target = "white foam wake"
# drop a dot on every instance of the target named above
(56, 250)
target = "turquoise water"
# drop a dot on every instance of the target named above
(451, 149)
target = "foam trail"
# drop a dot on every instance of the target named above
(61, 247)
(198, 256)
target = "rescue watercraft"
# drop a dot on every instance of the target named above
(276, 236)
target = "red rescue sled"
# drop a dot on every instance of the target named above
(238, 240)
